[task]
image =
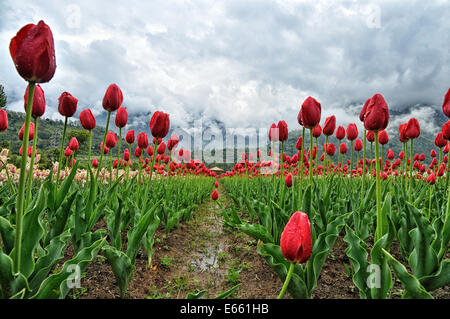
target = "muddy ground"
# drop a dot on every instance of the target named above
(200, 254)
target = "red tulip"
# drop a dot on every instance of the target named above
(390, 154)
(340, 133)
(72, 162)
(67, 105)
(433, 153)
(431, 179)
(73, 144)
(363, 110)
(283, 132)
(159, 124)
(446, 131)
(173, 141)
(440, 140)
(317, 131)
(137, 152)
(216, 184)
(150, 150)
(343, 148)
(126, 155)
(331, 149)
(288, 180)
(446, 104)
(38, 108)
(111, 139)
(113, 98)
(121, 117)
(215, 195)
(298, 146)
(370, 136)
(30, 135)
(161, 148)
(106, 150)
(383, 137)
(377, 114)
(412, 129)
(129, 137)
(142, 140)
(33, 53)
(296, 240)
(358, 145)
(329, 126)
(94, 162)
(68, 152)
(352, 132)
(310, 112)
(3, 120)
(87, 119)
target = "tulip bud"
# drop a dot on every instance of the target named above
(94, 162)
(33, 53)
(159, 124)
(38, 108)
(67, 105)
(377, 114)
(113, 98)
(215, 195)
(121, 117)
(73, 144)
(87, 119)
(340, 133)
(31, 133)
(383, 137)
(296, 240)
(142, 140)
(352, 132)
(129, 137)
(310, 112)
(3, 120)
(111, 139)
(329, 126)
(288, 180)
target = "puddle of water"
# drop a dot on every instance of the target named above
(208, 259)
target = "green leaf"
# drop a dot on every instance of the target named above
(274, 257)
(122, 267)
(10, 283)
(357, 254)
(198, 295)
(256, 231)
(227, 293)
(412, 286)
(385, 276)
(439, 279)
(56, 285)
(62, 193)
(7, 234)
(370, 195)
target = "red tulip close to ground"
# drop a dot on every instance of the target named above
(126, 155)
(3, 120)
(215, 195)
(161, 148)
(288, 180)
(121, 117)
(33, 52)
(159, 124)
(370, 136)
(173, 141)
(343, 148)
(150, 150)
(137, 152)
(129, 137)
(390, 154)
(376, 116)
(310, 112)
(87, 119)
(283, 132)
(296, 240)
(331, 149)
(402, 133)
(38, 108)
(94, 162)
(68, 152)
(113, 98)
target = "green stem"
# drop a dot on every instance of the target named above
(410, 168)
(23, 163)
(364, 154)
(351, 152)
(90, 147)
(310, 157)
(379, 229)
(61, 151)
(104, 141)
(286, 282)
(30, 172)
(118, 153)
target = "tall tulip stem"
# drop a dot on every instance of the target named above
(61, 151)
(103, 148)
(410, 168)
(286, 282)
(310, 157)
(30, 172)
(380, 219)
(21, 192)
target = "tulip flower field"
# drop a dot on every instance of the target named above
(385, 214)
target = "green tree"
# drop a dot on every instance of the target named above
(3, 97)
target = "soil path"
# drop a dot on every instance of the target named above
(197, 255)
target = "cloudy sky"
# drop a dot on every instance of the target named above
(244, 64)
